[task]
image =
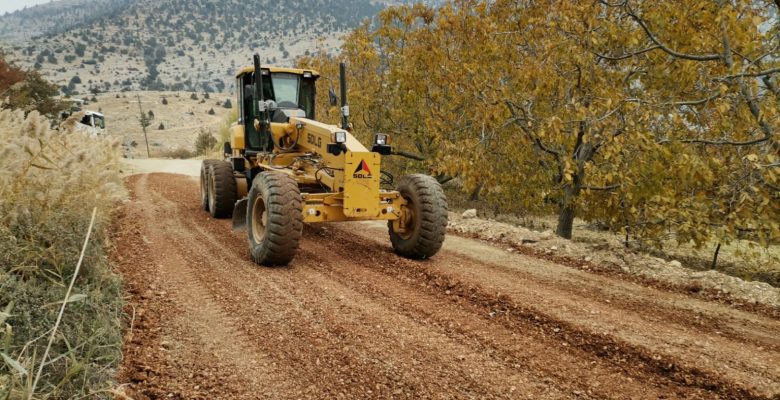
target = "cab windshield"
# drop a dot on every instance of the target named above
(285, 88)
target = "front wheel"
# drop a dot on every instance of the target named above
(274, 218)
(421, 232)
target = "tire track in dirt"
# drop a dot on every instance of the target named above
(189, 335)
(350, 319)
(677, 344)
(357, 318)
(621, 297)
(635, 390)
(709, 313)
(602, 345)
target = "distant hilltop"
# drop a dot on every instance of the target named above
(195, 45)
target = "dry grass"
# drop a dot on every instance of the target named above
(49, 182)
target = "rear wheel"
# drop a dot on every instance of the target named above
(221, 190)
(421, 233)
(274, 218)
(204, 183)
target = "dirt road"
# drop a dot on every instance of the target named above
(349, 319)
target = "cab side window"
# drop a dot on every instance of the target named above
(87, 120)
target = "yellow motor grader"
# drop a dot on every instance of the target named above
(283, 168)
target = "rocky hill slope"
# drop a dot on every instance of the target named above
(194, 45)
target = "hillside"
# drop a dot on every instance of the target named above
(56, 17)
(111, 45)
(177, 119)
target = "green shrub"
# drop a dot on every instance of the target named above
(205, 141)
(180, 153)
(49, 183)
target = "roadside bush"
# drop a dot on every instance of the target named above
(49, 182)
(205, 141)
(180, 153)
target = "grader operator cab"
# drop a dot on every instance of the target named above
(282, 168)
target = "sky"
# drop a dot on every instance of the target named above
(13, 5)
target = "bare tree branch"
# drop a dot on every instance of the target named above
(746, 92)
(694, 102)
(407, 154)
(771, 85)
(766, 72)
(717, 142)
(610, 187)
(767, 184)
(628, 55)
(546, 149)
(537, 141)
(664, 47)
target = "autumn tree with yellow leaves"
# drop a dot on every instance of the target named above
(656, 118)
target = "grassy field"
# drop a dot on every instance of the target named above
(182, 119)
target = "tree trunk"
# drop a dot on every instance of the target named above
(475, 193)
(565, 221)
(583, 152)
(715, 257)
(566, 208)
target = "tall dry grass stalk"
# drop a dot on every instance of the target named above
(45, 171)
(50, 181)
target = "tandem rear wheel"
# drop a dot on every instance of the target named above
(218, 189)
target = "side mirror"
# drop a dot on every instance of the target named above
(333, 98)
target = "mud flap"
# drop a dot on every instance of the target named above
(239, 214)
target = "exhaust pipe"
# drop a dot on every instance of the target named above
(260, 109)
(344, 105)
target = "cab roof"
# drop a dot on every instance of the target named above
(296, 71)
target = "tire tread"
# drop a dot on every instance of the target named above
(430, 204)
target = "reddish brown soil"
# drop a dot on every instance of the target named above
(349, 319)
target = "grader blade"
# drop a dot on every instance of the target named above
(239, 215)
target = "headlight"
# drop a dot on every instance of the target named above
(341, 137)
(381, 139)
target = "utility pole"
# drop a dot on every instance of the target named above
(144, 120)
